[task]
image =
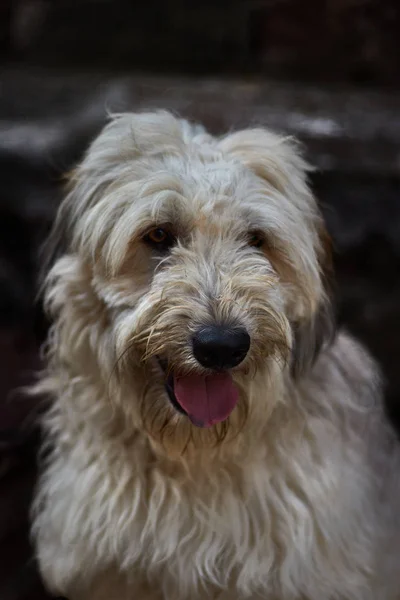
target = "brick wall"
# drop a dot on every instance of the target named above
(353, 41)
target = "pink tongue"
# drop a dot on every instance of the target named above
(207, 400)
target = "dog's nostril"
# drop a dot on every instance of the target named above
(217, 347)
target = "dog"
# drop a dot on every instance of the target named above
(211, 434)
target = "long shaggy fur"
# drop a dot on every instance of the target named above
(296, 495)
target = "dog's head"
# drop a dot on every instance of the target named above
(193, 272)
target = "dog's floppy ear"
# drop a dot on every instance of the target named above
(84, 184)
(55, 245)
(310, 338)
(313, 334)
(279, 162)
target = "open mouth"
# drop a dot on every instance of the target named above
(204, 399)
(169, 386)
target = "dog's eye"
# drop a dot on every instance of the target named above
(159, 238)
(256, 239)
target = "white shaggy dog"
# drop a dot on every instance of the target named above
(208, 437)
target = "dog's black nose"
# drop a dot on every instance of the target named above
(218, 347)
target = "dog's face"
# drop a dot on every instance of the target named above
(206, 259)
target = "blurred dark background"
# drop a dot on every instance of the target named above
(324, 70)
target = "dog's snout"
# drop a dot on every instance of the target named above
(218, 347)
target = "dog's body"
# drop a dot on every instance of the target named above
(170, 474)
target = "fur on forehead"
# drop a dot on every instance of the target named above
(145, 168)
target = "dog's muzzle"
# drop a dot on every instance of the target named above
(209, 399)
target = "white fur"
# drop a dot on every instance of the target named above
(299, 500)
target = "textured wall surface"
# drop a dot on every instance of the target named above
(326, 40)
